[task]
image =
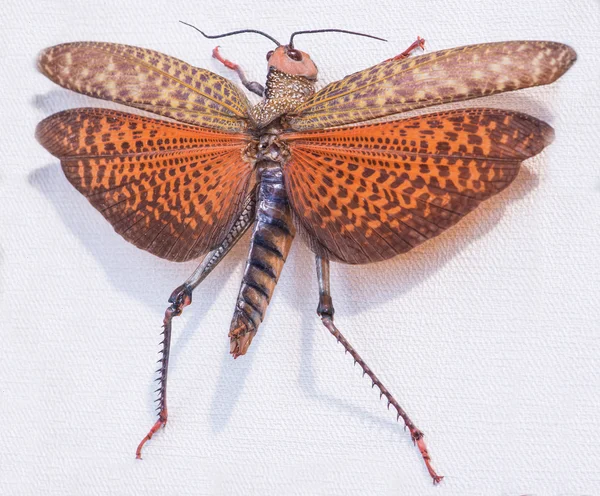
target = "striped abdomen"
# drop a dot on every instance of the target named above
(271, 241)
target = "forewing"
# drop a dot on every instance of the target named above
(366, 193)
(147, 80)
(452, 75)
(171, 189)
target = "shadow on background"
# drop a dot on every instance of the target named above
(2, 279)
(131, 272)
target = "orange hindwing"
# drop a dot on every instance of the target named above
(171, 189)
(367, 193)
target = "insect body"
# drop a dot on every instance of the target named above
(301, 161)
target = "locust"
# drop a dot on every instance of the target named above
(339, 167)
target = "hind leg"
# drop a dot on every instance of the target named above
(325, 311)
(182, 297)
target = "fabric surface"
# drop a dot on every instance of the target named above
(487, 335)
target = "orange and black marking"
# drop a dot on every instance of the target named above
(169, 188)
(371, 192)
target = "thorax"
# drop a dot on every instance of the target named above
(283, 93)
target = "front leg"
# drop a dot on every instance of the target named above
(253, 86)
(419, 43)
(182, 297)
(325, 311)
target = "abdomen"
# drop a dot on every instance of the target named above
(271, 241)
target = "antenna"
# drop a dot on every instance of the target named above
(233, 32)
(291, 44)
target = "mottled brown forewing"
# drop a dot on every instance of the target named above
(445, 76)
(147, 80)
(367, 193)
(171, 189)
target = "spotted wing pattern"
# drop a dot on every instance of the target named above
(367, 193)
(452, 75)
(147, 80)
(171, 189)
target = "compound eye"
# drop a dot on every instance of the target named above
(269, 54)
(294, 55)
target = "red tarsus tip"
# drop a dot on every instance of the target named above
(425, 454)
(161, 422)
(225, 62)
(420, 43)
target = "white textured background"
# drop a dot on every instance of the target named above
(487, 335)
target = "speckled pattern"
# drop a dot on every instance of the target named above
(367, 193)
(148, 80)
(283, 93)
(452, 75)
